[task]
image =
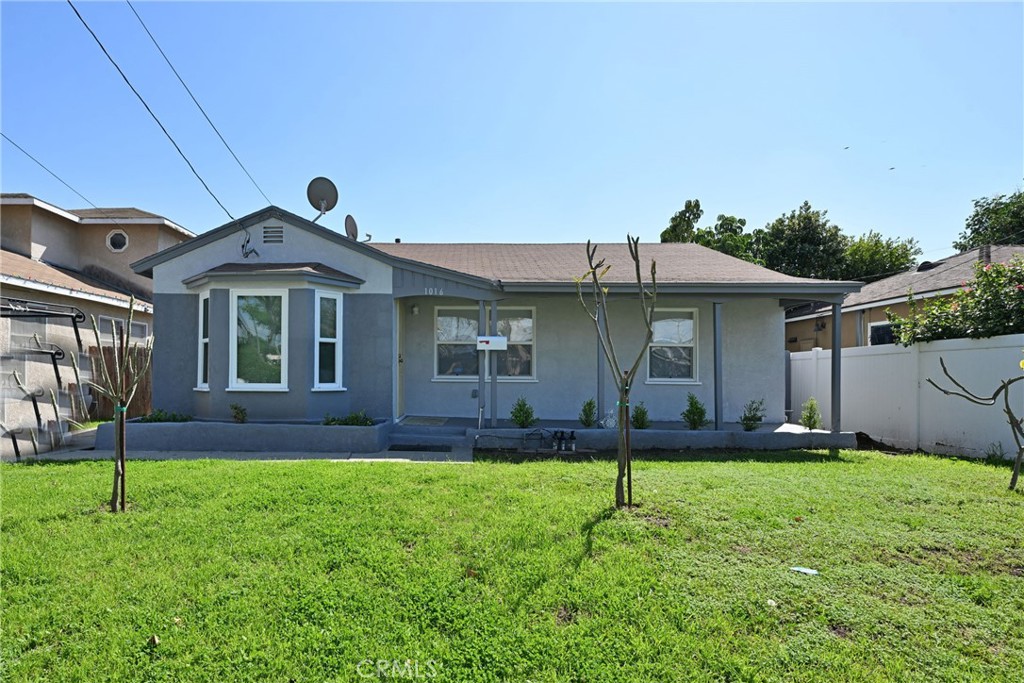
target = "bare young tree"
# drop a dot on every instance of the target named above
(1016, 423)
(598, 312)
(120, 379)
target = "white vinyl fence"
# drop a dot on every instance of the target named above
(885, 393)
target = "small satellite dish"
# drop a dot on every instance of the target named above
(322, 195)
(351, 229)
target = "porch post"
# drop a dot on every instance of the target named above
(837, 361)
(718, 364)
(481, 325)
(600, 369)
(494, 367)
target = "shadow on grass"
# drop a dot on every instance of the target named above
(588, 533)
(833, 456)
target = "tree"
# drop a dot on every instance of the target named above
(872, 257)
(990, 305)
(121, 377)
(803, 244)
(995, 220)
(727, 236)
(682, 226)
(1016, 423)
(623, 378)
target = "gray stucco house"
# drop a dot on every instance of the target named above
(294, 321)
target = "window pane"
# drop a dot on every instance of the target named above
(677, 329)
(205, 332)
(326, 371)
(457, 360)
(456, 326)
(671, 362)
(328, 318)
(206, 363)
(516, 325)
(516, 362)
(259, 339)
(140, 330)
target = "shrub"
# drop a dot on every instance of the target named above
(360, 419)
(991, 304)
(588, 413)
(239, 413)
(753, 415)
(810, 416)
(522, 414)
(159, 415)
(640, 419)
(696, 415)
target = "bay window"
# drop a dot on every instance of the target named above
(327, 352)
(259, 340)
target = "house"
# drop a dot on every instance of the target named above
(293, 321)
(58, 267)
(864, 321)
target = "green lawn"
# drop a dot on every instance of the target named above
(306, 571)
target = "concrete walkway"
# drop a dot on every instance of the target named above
(456, 456)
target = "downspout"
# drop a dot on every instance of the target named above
(600, 368)
(480, 355)
(717, 309)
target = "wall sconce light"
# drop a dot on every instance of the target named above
(415, 309)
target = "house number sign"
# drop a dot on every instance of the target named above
(433, 291)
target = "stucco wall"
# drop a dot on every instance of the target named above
(566, 357)
(16, 228)
(300, 246)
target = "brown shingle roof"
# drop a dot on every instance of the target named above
(945, 274)
(18, 266)
(684, 263)
(114, 212)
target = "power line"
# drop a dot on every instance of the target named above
(189, 91)
(106, 214)
(143, 101)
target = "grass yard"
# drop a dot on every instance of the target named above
(318, 571)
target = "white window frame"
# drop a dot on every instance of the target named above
(532, 377)
(145, 330)
(110, 236)
(695, 346)
(879, 324)
(233, 383)
(337, 385)
(103, 322)
(204, 343)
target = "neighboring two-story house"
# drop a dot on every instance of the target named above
(59, 267)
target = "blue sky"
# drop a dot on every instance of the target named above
(526, 122)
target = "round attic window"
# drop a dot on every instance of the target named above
(117, 241)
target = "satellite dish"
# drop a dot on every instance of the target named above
(351, 229)
(322, 195)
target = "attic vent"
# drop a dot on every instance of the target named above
(926, 265)
(273, 235)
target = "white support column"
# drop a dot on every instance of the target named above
(494, 367)
(837, 361)
(481, 403)
(717, 307)
(600, 369)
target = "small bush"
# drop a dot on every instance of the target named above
(640, 419)
(588, 413)
(522, 414)
(810, 416)
(360, 419)
(159, 415)
(696, 415)
(239, 413)
(753, 415)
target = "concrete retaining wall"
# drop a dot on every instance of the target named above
(667, 439)
(229, 436)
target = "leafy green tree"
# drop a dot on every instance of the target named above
(991, 304)
(995, 220)
(872, 257)
(727, 236)
(803, 243)
(684, 223)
